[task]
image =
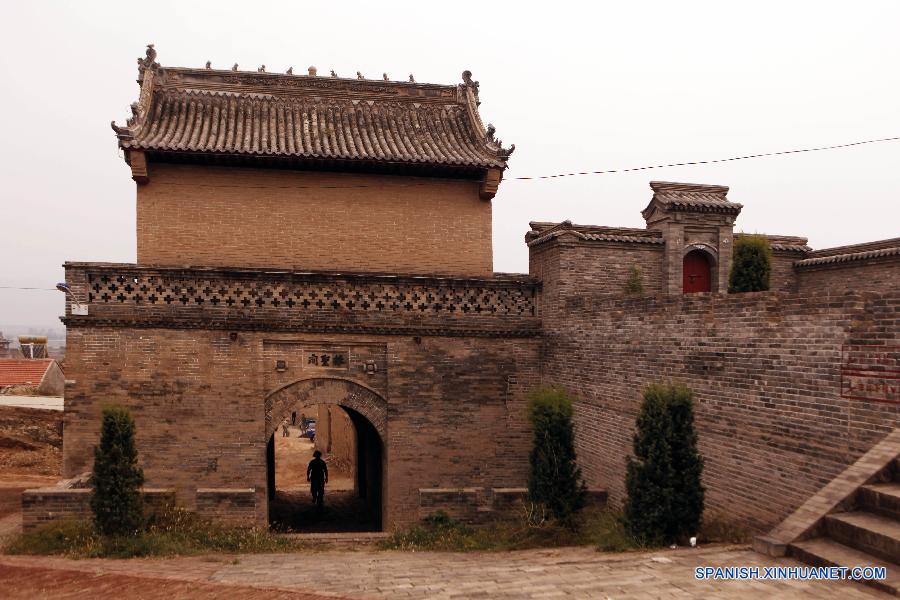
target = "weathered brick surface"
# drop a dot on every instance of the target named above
(221, 216)
(47, 505)
(227, 505)
(199, 401)
(594, 269)
(766, 370)
(879, 275)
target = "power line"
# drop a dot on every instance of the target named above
(12, 287)
(708, 162)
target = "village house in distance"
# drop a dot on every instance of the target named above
(306, 239)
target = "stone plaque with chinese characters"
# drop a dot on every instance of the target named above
(326, 359)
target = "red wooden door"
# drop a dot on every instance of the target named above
(696, 272)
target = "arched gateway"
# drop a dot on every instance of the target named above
(367, 411)
(326, 390)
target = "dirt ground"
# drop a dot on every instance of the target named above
(292, 455)
(30, 453)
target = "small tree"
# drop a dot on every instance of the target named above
(687, 464)
(116, 479)
(665, 496)
(635, 284)
(751, 265)
(554, 480)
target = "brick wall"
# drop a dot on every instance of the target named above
(783, 278)
(202, 215)
(593, 268)
(878, 275)
(42, 506)
(198, 400)
(766, 370)
(335, 436)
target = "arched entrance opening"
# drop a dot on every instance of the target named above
(346, 422)
(697, 272)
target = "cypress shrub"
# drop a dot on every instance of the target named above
(751, 265)
(665, 496)
(687, 464)
(117, 479)
(554, 480)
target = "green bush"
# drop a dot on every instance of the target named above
(117, 479)
(751, 264)
(665, 495)
(554, 479)
(634, 286)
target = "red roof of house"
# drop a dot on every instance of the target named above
(14, 371)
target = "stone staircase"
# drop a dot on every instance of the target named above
(866, 535)
(852, 522)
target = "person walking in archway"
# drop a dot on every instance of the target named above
(317, 476)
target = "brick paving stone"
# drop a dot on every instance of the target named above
(566, 572)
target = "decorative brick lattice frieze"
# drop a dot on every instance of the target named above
(310, 296)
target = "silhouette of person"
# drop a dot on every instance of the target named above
(317, 476)
(284, 430)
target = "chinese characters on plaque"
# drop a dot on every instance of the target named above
(326, 359)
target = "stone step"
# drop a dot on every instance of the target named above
(824, 552)
(881, 498)
(340, 540)
(869, 532)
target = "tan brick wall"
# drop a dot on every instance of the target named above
(335, 435)
(774, 422)
(198, 400)
(215, 216)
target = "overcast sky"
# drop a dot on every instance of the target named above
(576, 87)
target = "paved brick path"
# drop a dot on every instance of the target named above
(568, 572)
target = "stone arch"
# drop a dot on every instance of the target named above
(326, 390)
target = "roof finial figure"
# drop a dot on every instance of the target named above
(135, 108)
(148, 62)
(209, 64)
(411, 78)
(470, 83)
(261, 69)
(150, 56)
(234, 68)
(290, 71)
(333, 74)
(505, 153)
(491, 130)
(359, 75)
(312, 71)
(385, 76)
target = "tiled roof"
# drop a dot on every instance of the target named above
(542, 232)
(692, 196)
(308, 118)
(23, 371)
(848, 257)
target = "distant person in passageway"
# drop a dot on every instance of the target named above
(304, 422)
(317, 476)
(284, 430)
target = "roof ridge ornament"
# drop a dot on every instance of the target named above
(359, 75)
(312, 71)
(385, 76)
(290, 71)
(502, 153)
(261, 69)
(333, 74)
(234, 67)
(209, 64)
(473, 85)
(411, 78)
